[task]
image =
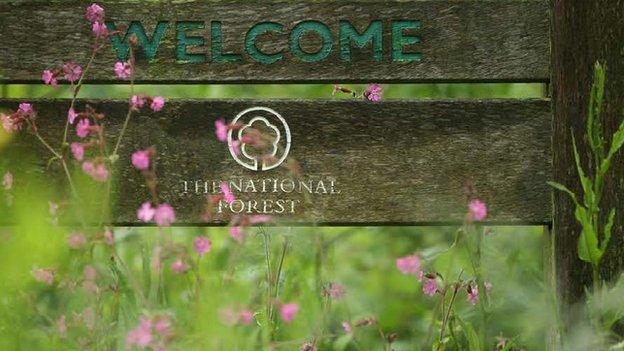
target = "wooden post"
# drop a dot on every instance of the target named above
(584, 32)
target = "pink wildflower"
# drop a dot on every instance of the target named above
(141, 160)
(95, 13)
(289, 311)
(179, 266)
(202, 245)
(228, 196)
(334, 291)
(137, 102)
(89, 272)
(165, 215)
(146, 212)
(221, 130)
(430, 287)
(236, 147)
(373, 92)
(123, 70)
(100, 173)
(409, 264)
(76, 241)
(61, 326)
(99, 29)
(42, 275)
(346, 326)
(83, 128)
(71, 115)
(109, 237)
(259, 219)
(157, 104)
(77, 150)
(162, 325)
(478, 210)
(236, 232)
(473, 293)
(72, 71)
(141, 336)
(26, 109)
(7, 123)
(7, 181)
(245, 317)
(48, 78)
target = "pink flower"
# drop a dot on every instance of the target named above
(77, 150)
(7, 181)
(71, 115)
(89, 272)
(26, 109)
(157, 103)
(473, 293)
(141, 160)
(202, 245)
(42, 275)
(477, 210)
(162, 325)
(430, 287)
(308, 347)
(48, 78)
(146, 212)
(373, 92)
(346, 326)
(99, 29)
(289, 311)
(83, 128)
(100, 173)
(7, 123)
(236, 232)
(245, 317)
(179, 266)
(76, 241)
(61, 327)
(409, 265)
(236, 147)
(123, 70)
(141, 336)
(165, 215)
(137, 102)
(109, 237)
(259, 219)
(335, 291)
(72, 71)
(221, 130)
(95, 13)
(228, 196)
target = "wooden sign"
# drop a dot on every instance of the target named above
(395, 162)
(258, 42)
(400, 162)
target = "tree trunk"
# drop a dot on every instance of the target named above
(583, 32)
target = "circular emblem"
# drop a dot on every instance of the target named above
(262, 141)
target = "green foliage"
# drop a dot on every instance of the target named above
(595, 234)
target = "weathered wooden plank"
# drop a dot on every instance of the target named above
(455, 40)
(396, 162)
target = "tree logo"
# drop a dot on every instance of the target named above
(261, 140)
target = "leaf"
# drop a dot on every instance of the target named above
(607, 231)
(588, 198)
(563, 188)
(617, 141)
(588, 249)
(471, 335)
(594, 125)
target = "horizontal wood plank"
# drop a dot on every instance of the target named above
(459, 41)
(395, 162)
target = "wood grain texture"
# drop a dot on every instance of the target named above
(395, 162)
(461, 41)
(583, 33)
